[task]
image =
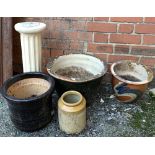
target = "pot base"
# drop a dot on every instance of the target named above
(31, 126)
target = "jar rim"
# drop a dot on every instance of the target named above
(72, 92)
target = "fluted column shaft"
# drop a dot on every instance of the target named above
(30, 36)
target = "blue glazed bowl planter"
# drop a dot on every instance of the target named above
(130, 80)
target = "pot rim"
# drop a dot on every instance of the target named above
(63, 78)
(23, 76)
(149, 71)
(70, 93)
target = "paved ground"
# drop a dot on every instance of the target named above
(106, 117)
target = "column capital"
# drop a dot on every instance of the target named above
(30, 27)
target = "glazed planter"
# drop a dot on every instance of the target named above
(29, 100)
(79, 72)
(72, 112)
(130, 80)
(30, 36)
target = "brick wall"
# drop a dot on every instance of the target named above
(109, 38)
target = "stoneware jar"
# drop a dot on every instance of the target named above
(130, 80)
(72, 112)
(29, 97)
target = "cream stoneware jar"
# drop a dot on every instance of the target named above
(72, 112)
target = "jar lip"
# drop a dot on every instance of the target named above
(72, 92)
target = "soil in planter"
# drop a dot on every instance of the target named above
(130, 78)
(75, 73)
(28, 88)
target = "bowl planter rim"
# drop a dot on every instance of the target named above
(60, 77)
(127, 81)
(23, 76)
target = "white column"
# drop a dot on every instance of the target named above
(30, 36)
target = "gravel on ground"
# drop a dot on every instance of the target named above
(106, 117)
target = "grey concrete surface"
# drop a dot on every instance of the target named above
(106, 117)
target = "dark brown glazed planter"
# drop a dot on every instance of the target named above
(29, 97)
(130, 80)
(84, 74)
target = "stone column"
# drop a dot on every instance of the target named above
(30, 36)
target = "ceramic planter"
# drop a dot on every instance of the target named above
(72, 112)
(130, 80)
(86, 73)
(29, 100)
(30, 36)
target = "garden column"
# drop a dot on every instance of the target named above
(30, 36)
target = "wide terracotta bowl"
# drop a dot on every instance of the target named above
(79, 72)
(130, 80)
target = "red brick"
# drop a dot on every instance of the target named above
(101, 56)
(65, 44)
(45, 57)
(101, 27)
(55, 53)
(85, 36)
(58, 44)
(44, 43)
(143, 50)
(71, 51)
(101, 19)
(100, 48)
(44, 69)
(72, 35)
(122, 49)
(114, 58)
(76, 45)
(78, 25)
(79, 18)
(125, 38)
(46, 52)
(59, 25)
(126, 28)
(149, 20)
(69, 35)
(100, 37)
(127, 19)
(149, 40)
(55, 34)
(45, 61)
(46, 33)
(145, 28)
(148, 61)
